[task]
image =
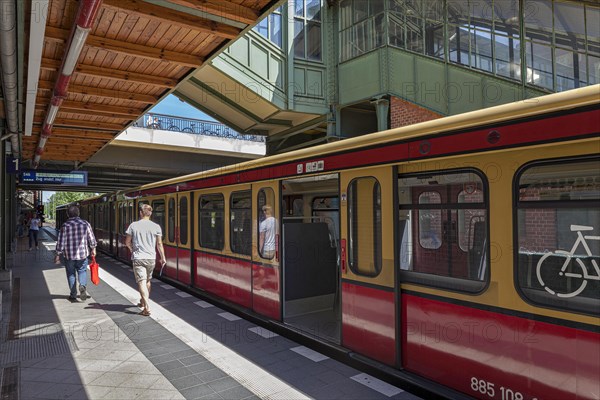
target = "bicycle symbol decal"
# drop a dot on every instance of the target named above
(580, 279)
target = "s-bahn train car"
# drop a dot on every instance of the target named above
(61, 215)
(462, 252)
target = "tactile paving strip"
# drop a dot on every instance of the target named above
(32, 347)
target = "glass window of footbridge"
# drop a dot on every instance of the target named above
(561, 42)
(307, 29)
(558, 234)
(361, 27)
(270, 27)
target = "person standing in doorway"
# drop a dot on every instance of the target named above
(143, 238)
(76, 241)
(267, 230)
(34, 230)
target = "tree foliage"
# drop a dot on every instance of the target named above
(60, 198)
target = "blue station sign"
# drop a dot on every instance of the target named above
(73, 178)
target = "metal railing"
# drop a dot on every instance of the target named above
(195, 126)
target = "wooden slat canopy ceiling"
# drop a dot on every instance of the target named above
(135, 54)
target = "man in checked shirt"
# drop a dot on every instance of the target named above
(76, 242)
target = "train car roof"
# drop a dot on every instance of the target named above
(507, 112)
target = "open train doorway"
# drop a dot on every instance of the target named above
(310, 244)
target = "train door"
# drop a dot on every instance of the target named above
(130, 216)
(170, 242)
(112, 218)
(311, 256)
(159, 217)
(266, 281)
(125, 212)
(177, 241)
(367, 263)
(184, 241)
(120, 233)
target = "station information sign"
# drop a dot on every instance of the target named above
(66, 178)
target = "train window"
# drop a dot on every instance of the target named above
(113, 216)
(442, 228)
(127, 220)
(328, 210)
(430, 227)
(158, 213)
(267, 224)
(364, 221)
(298, 208)
(122, 218)
(240, 222)
(558, 234)
(183, 221)
(103, 217)
(211, 217)
(171, 221)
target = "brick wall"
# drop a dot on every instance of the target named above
(404, 113)
(538, 227)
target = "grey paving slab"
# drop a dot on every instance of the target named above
(192, 360)
(188, 382)
(197, 391)
(211, 375)
(169, 365)
(201, 367)
(176, 373)
(235, 393)
(222, 384)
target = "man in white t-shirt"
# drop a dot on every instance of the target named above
(143, 237)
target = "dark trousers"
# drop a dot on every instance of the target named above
(33, 234)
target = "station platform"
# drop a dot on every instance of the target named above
(101, 348)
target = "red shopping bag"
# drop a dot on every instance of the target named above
(94, 271)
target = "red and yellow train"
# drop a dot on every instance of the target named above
(463, 251)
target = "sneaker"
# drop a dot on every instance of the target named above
(83, 294)
(30, 249)
(72, 299)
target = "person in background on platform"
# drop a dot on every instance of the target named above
(21, 225)
(149, 121)
(34, 229)
(76, 241)
(143, 238)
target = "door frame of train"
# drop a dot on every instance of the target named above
(305, 324)
(379, 289)
(167, 240)
(112, 224)
(396, 237)
(189, 244)
(176, 242)
(263, 304)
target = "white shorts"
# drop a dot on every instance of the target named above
(142, 269)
